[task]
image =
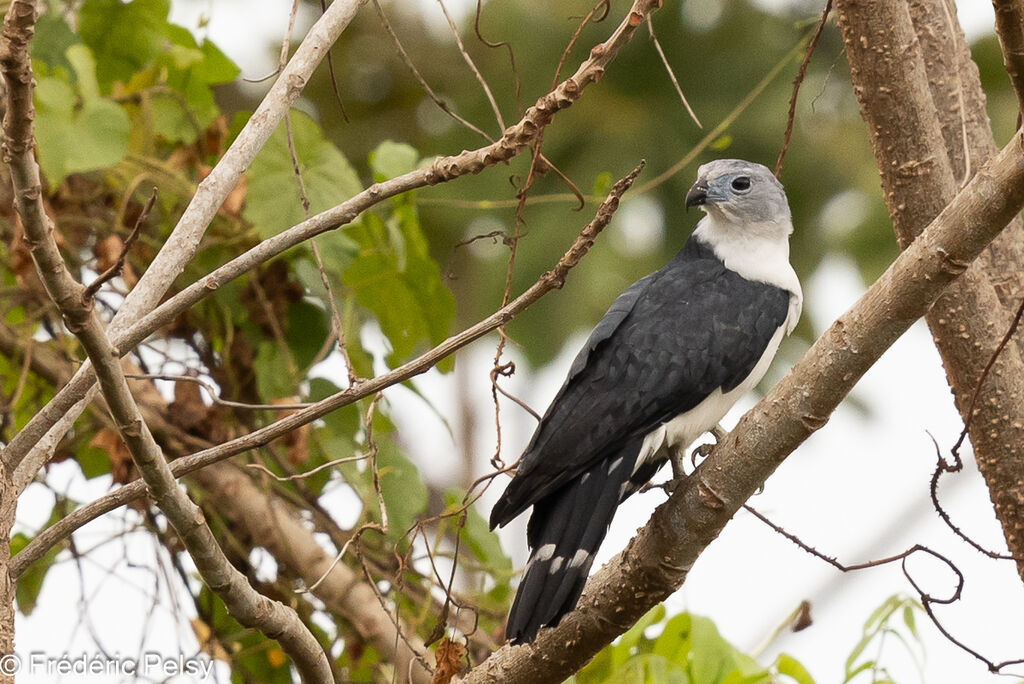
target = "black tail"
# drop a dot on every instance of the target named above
(565, 530)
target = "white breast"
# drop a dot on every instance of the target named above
(682, 430)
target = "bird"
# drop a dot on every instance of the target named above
(663, 366)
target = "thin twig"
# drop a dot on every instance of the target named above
(516, 138)
(797, 82)
(115, 269)
(926, 599)
(671, 73)
(551, 280)
(472, 66)
(441, 104)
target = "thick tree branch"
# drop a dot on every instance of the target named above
(551, 280)
(1010, 29)
(267, 517)
(76, 306)
(512, 142)
(955, 86)
(184, 240)
(658, 559)
(890, 78)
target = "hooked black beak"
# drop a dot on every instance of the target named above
(698, 194)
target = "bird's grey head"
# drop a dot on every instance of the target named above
(740, 192)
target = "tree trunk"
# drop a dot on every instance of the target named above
(904, 104)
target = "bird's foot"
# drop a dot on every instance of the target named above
(704, 450)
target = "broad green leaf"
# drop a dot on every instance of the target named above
(273, 372)
(30, 582)
(170, 120)
(93, 461)
(124, 37)
(75, 139)
(272, 202)
(711, 656)
(402, 289)
(623, 649)
(307, 329)
(52, 39)
(787, 665)
(405, 495)
(477, 536)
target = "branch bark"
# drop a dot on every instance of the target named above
(278, 527)
(657, 560)
(891, 82)
(76, 305)
(1010, 29)
(551, 280)
(513, 141)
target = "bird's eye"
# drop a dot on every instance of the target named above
(741, 183)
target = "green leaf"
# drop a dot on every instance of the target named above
(405, 495)
(788, 665)
(392, 159)
(401, 287)
(75, 139)
(272, 202)
(711, 655)
(603, 183)
(623, 649)
(52, 39)
(93, 461)
(170, 120)
(909, 621)
(124, 37)
(30, 582)
(307, 329)
(476, 534)
(273, 372)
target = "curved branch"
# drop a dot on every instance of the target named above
(657, 560)
(75, 302)
(888, 67)
(514, 140)
(551, 280)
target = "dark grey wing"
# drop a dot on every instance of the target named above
(665, 345)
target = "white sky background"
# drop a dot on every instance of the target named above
(858, 489)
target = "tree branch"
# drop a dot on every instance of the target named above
(1010, 29)
(278, 527)
(657, 560)
(551, 280)
(513, 141)
(75, 303)
(890, 78)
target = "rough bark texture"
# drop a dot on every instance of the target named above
(959, 100)
(8, 504)
(658, 559)
(891, 81)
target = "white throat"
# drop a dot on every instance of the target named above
(756, 251)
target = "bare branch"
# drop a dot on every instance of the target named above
(115, 268)
(658, 559)
(75, 302)
(551, 280)
(185, 238)
(891, 79)
(514, 140)
(1010, 29)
